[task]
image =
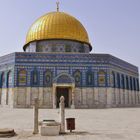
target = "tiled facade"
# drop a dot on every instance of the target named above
(92, 80)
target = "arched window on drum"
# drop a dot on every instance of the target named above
(118, 80)
(48, 78)
(137, 84)
(134, 84)
(9, 79)
(35, 77)
(2, 79)
(131, 84)
(113, 79)
(22, 77)
(127, 83)
(89, 78)
(122, 81)
(101, 78)
(77, 77)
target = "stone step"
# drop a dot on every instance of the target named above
(7, 132)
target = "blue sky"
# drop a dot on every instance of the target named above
(113, 25)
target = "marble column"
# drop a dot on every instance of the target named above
(28, 96)
(54, 96)
(62, 114)
(72, 98)
(0, 96)
(36, 116)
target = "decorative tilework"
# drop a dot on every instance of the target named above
(69, 63)
(22, 77)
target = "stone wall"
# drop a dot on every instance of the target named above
(24, 97)
(83, 97)
(6, 97)
(105, 97)
(90, 97)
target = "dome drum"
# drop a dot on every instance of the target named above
(59, 46)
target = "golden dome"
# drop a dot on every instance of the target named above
(57, 25)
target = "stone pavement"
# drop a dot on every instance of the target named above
(91, 124)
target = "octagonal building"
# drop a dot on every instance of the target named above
(57, 62)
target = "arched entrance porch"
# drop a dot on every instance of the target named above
(63, 85)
